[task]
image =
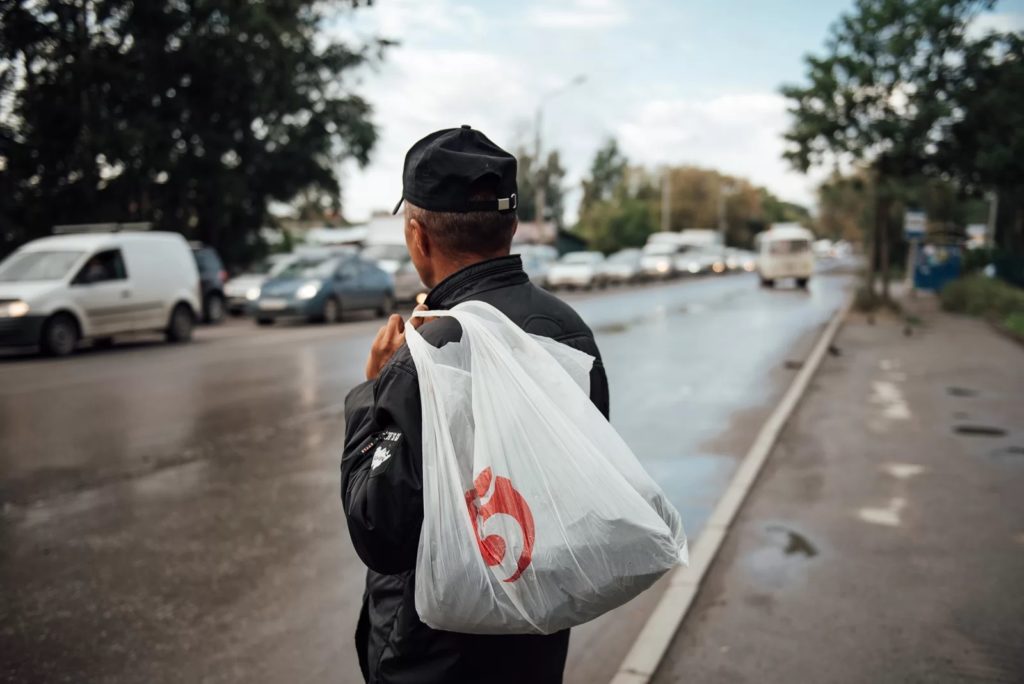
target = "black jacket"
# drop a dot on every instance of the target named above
(382, 495)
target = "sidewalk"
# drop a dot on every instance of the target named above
(879, 544)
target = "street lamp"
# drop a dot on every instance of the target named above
(725, 190)
(544, 99)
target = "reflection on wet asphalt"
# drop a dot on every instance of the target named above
(170, 514)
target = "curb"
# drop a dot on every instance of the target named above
(654, 639)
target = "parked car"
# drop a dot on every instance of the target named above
(212, 277)
(537, 261)
(697, 261)
(659, 259)
(56, 291)
(784, 251)
(577, 269)
(387, 255)
(324, 289)
(623, 266)
(407, 282)
(244, 288)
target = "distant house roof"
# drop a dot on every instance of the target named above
(534, 233)
(336, 236)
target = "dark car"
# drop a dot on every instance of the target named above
(212, 277)
(324, 289)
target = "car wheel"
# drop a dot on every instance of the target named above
(802, 283)
(264, 321)
(60, 335)
(213, 308)
(332, 311)
(387, 305)
(179, 328)
(767, 282)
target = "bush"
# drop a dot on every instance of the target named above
(977, 295)
(1015, 322)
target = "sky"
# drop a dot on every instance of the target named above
(675, 82)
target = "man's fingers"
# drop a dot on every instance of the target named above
(395, 327)
(416, 321)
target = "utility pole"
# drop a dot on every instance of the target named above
(666, 198)
(540, 174)
(724, 190)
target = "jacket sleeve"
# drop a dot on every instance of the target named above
(381, 470)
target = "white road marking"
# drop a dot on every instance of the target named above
(888, 516)
(903, 471)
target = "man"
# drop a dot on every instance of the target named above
(459, 190)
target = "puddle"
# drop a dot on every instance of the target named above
(796, 543)
(1010, 453)
(979, 431)
(612, 328)
(961, 392)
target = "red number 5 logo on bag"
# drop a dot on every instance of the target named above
(506, 500)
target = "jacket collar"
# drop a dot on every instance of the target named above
(470, 281)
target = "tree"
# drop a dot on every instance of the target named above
(984, 146)
(625, 218)
(192, 115)
(880, 96)
(552, 174)
(607, 174)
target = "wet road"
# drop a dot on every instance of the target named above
(171, 514)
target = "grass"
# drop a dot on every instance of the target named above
(1015, 323)
(977, 295)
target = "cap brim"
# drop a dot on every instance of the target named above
(398, 206)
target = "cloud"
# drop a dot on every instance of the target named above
(422, 90)
(990, 22)
(580, 14)
(739, 134)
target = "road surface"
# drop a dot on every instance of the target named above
(171, 513)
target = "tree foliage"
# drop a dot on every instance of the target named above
(622, 204)
(552, 175)
(881, 96)
(193, 115)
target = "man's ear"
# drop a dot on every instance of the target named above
(420, 239)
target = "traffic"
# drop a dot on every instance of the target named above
(91, 284)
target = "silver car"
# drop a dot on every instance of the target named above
(577, 269)
(623, 266)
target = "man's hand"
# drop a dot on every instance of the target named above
(389, 338)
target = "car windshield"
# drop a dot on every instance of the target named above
(625, 257)
(26, 266)
(309, 268)
(789, 246)
(659, 248)
(385, 252)
(581, 258)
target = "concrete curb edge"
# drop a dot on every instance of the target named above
(657, 634)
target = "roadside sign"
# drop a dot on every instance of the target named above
(915, 223)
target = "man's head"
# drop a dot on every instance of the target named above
(459, 190)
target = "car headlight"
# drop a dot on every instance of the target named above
(662, 267)
(252, 294)
(694, 267)
(15, 309)
(308, 291)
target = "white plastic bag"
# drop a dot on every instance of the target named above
(536, 515)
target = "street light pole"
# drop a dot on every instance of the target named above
(666, 197)
(540, 179)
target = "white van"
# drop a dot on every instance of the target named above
(58, 290)
(784, 251)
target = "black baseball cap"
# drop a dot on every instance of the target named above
(442, 169)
